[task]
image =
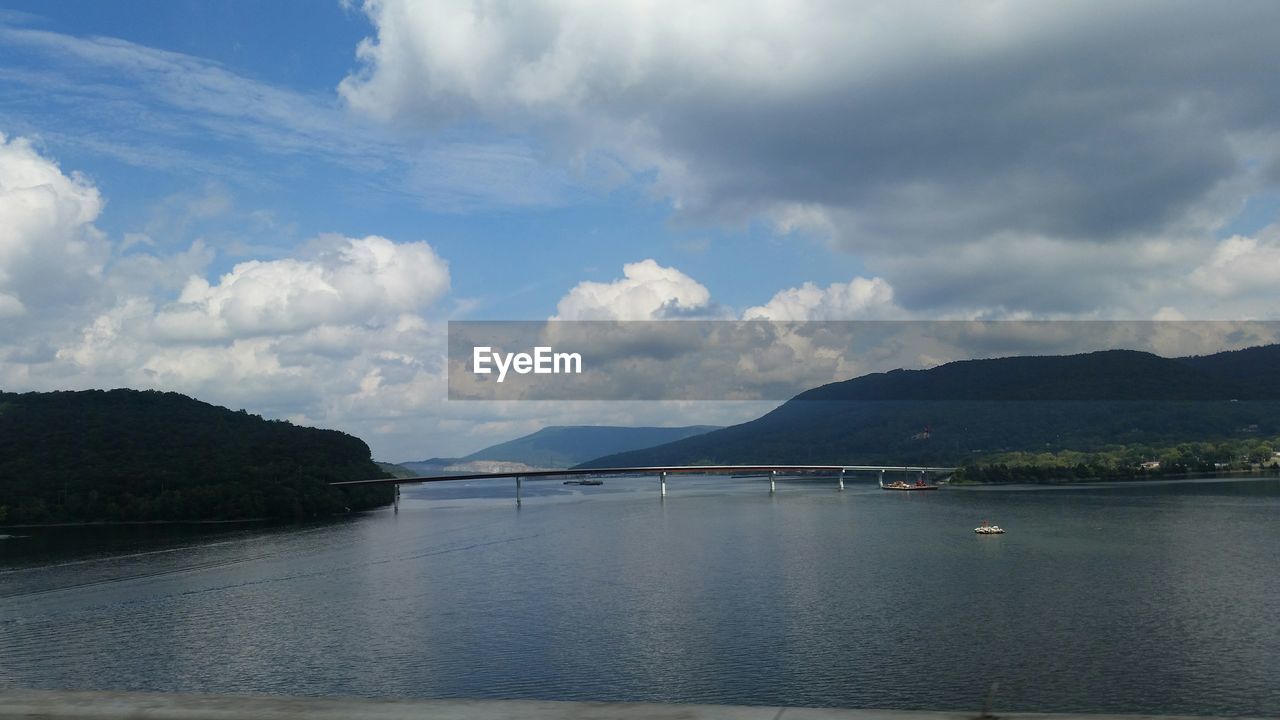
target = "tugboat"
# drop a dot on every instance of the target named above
(985, 529)
(900, 485)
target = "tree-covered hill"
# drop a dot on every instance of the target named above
(1258, 368)
(967, 409)
(127, 455)
(1108, 375)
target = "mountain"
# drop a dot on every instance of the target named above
(558, 446)
(397, 471)
(954, 411)
(128, 455)
(1258, 368)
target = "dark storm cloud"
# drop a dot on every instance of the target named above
(1094, 132)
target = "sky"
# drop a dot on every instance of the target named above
(280, 206)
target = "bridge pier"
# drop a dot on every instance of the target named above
(662, 483)
(842, 478)
(773, 486)
(519, 490)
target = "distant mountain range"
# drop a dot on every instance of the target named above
(556, 446)
(957, 410)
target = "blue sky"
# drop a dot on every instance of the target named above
(189, 189)
(555, 230)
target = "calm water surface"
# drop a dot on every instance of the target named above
(1153, 598)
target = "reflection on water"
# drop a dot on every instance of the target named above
(1132, 598)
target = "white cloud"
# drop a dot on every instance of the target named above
(351, 281)
(647, 291)
(352, 378)
(50, 252)
(858, 299)
(143, 273)
(1242, 266)
(339, 332)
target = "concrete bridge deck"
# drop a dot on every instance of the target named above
(64, 705)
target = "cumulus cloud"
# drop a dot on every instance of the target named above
(354, 377)
(351, 281)
(50, 252)
(858, 299)
(339, 333)
(647, 291)
(358, 367)
(898, 130)
(1242, 266)
(339, 336)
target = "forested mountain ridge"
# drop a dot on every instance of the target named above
(1098, 376)
(129, 455)
(1257, 367)
(966, 409)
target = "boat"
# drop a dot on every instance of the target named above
(900, 485)
(985, 529)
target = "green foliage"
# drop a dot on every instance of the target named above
(396, 471)
(126, 455)
(1120, 462)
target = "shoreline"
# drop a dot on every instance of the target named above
(1115, 479)
(116, 523)
(243, 521)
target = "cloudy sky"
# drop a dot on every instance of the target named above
(279, 206)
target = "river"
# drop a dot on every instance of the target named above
(1129, 598)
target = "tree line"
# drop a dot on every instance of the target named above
(127, 455)
(1123, 462)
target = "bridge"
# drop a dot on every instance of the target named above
(663, 471)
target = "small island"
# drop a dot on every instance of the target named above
(148, 456)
